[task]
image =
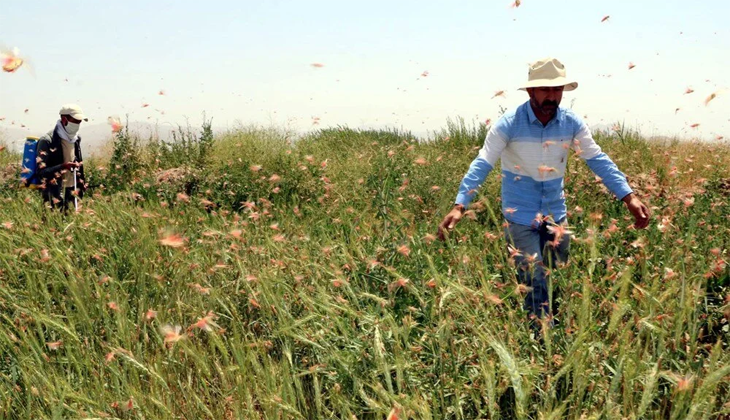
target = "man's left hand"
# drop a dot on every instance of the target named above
(638, 210)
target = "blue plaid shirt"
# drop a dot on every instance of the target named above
(533, 164)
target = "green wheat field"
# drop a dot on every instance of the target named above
(256, 274)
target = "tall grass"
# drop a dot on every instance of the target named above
(300, 279)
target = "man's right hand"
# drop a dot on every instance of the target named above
(70, 165)
(450, 221)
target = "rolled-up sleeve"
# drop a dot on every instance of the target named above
(600, 163)
(480, 167)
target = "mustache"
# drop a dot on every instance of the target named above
(547, 103)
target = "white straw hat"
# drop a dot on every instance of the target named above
(548, 72)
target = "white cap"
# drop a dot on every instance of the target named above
(74, 111)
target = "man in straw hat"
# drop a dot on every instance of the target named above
(532, 142)
(60, 167)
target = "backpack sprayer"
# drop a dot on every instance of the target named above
(29, 164)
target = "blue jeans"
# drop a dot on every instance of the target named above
(537, 250)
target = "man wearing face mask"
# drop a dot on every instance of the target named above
(59, 156)
(532, 144)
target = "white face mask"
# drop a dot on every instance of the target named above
(72, 129)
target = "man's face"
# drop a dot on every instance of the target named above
(65, 119)
(546, 99)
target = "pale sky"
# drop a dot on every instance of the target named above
(250, 62)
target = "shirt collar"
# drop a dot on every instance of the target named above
(558, 118)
